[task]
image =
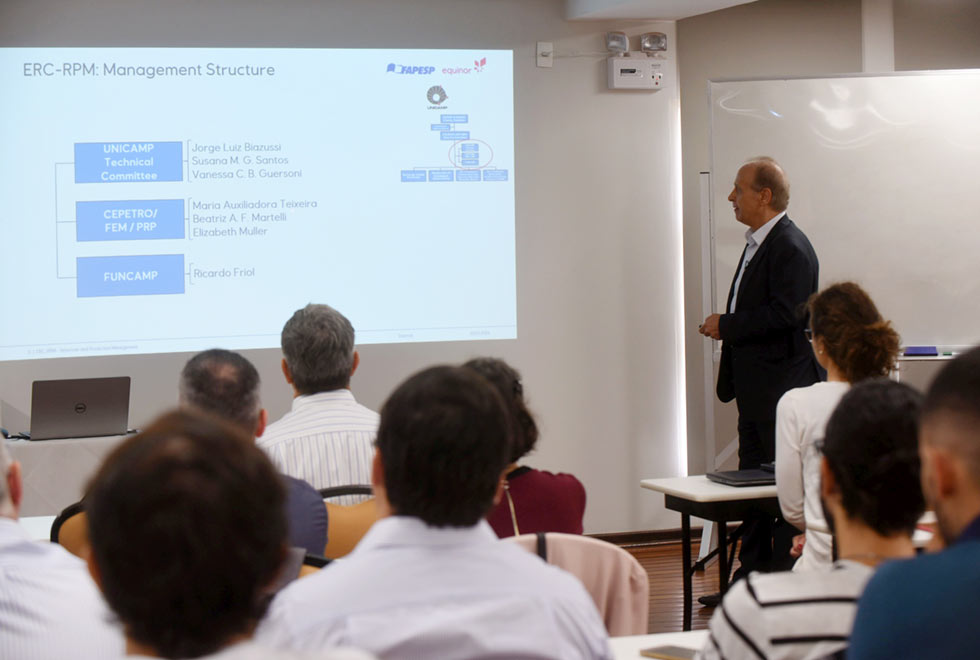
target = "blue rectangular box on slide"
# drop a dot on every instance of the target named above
(141, 275)
(128, 162)
(129, 220)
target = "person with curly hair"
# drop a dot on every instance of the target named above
(852, 342)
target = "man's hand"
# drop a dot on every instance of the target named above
(798, 542)
(710, 327)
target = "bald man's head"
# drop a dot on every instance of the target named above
(768, 174)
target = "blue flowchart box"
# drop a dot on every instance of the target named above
(143, 275)
(454, 119)
(129, 220)
(494, 175)
(413, 176)
(126, 162)
(441, 127)
(467, 175)
(440, 175)
(455, 136)
(470, 146)
(466, 162)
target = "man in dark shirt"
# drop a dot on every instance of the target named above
(927, 607)
(226, 384)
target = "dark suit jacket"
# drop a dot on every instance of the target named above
(764, 351)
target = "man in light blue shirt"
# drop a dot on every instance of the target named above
(430, 579)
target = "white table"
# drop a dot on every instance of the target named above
(630, 647)
(920, 537)
(56, 471)
(697, 496)
(39, 527)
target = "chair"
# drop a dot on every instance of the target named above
(617, 582)
(347, 523)
(70, 529)
(341, 491)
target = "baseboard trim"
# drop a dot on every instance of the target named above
(651, 536)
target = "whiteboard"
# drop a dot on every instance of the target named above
(885, 181)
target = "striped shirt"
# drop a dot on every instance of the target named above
(327, 439)
(49, 605)
(800, 615)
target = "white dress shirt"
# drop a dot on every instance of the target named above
(249, 650)
(413, 591)
(753, 239)
(787, 616)
(327, 439)
(49, 606)
(801, 418)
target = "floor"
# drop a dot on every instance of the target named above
(663, 564)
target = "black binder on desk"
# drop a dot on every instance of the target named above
(742, 478)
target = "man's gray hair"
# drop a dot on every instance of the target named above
(318, 346)
(6, 505)
(223, 383)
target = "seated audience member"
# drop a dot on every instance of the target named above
(226, 384)
(327, 438)
(430, 579)
(869, 487)
(852, 342)
(927, 607)
(534, 500)
(49, 606)
(187, 531)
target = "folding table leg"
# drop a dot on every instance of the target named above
(686, 560)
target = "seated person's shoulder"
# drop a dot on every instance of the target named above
(563, 478)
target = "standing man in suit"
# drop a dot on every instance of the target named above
(764, 351)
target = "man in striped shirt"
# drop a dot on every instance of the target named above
(49, 606)
(872, 501)
(327, 438)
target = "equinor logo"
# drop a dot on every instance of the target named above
(478, 66)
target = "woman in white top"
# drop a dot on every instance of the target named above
(852, 342)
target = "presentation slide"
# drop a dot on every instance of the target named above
(162, 199)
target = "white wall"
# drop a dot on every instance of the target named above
(598, 233)
(768, 39)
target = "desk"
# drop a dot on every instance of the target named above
(920, 537)
(697, 496)
(39, 527)
(56, 471)
(624, 648)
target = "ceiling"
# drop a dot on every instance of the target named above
(591, 10)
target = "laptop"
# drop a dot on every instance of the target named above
(741, 478)
(79, 407)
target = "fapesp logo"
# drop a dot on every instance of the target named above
(410, 70)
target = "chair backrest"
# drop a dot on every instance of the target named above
(346, 525)
(617, 582)
(340, 491)
(70, 529)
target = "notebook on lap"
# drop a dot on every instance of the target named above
(79, 407)
(742, 478)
